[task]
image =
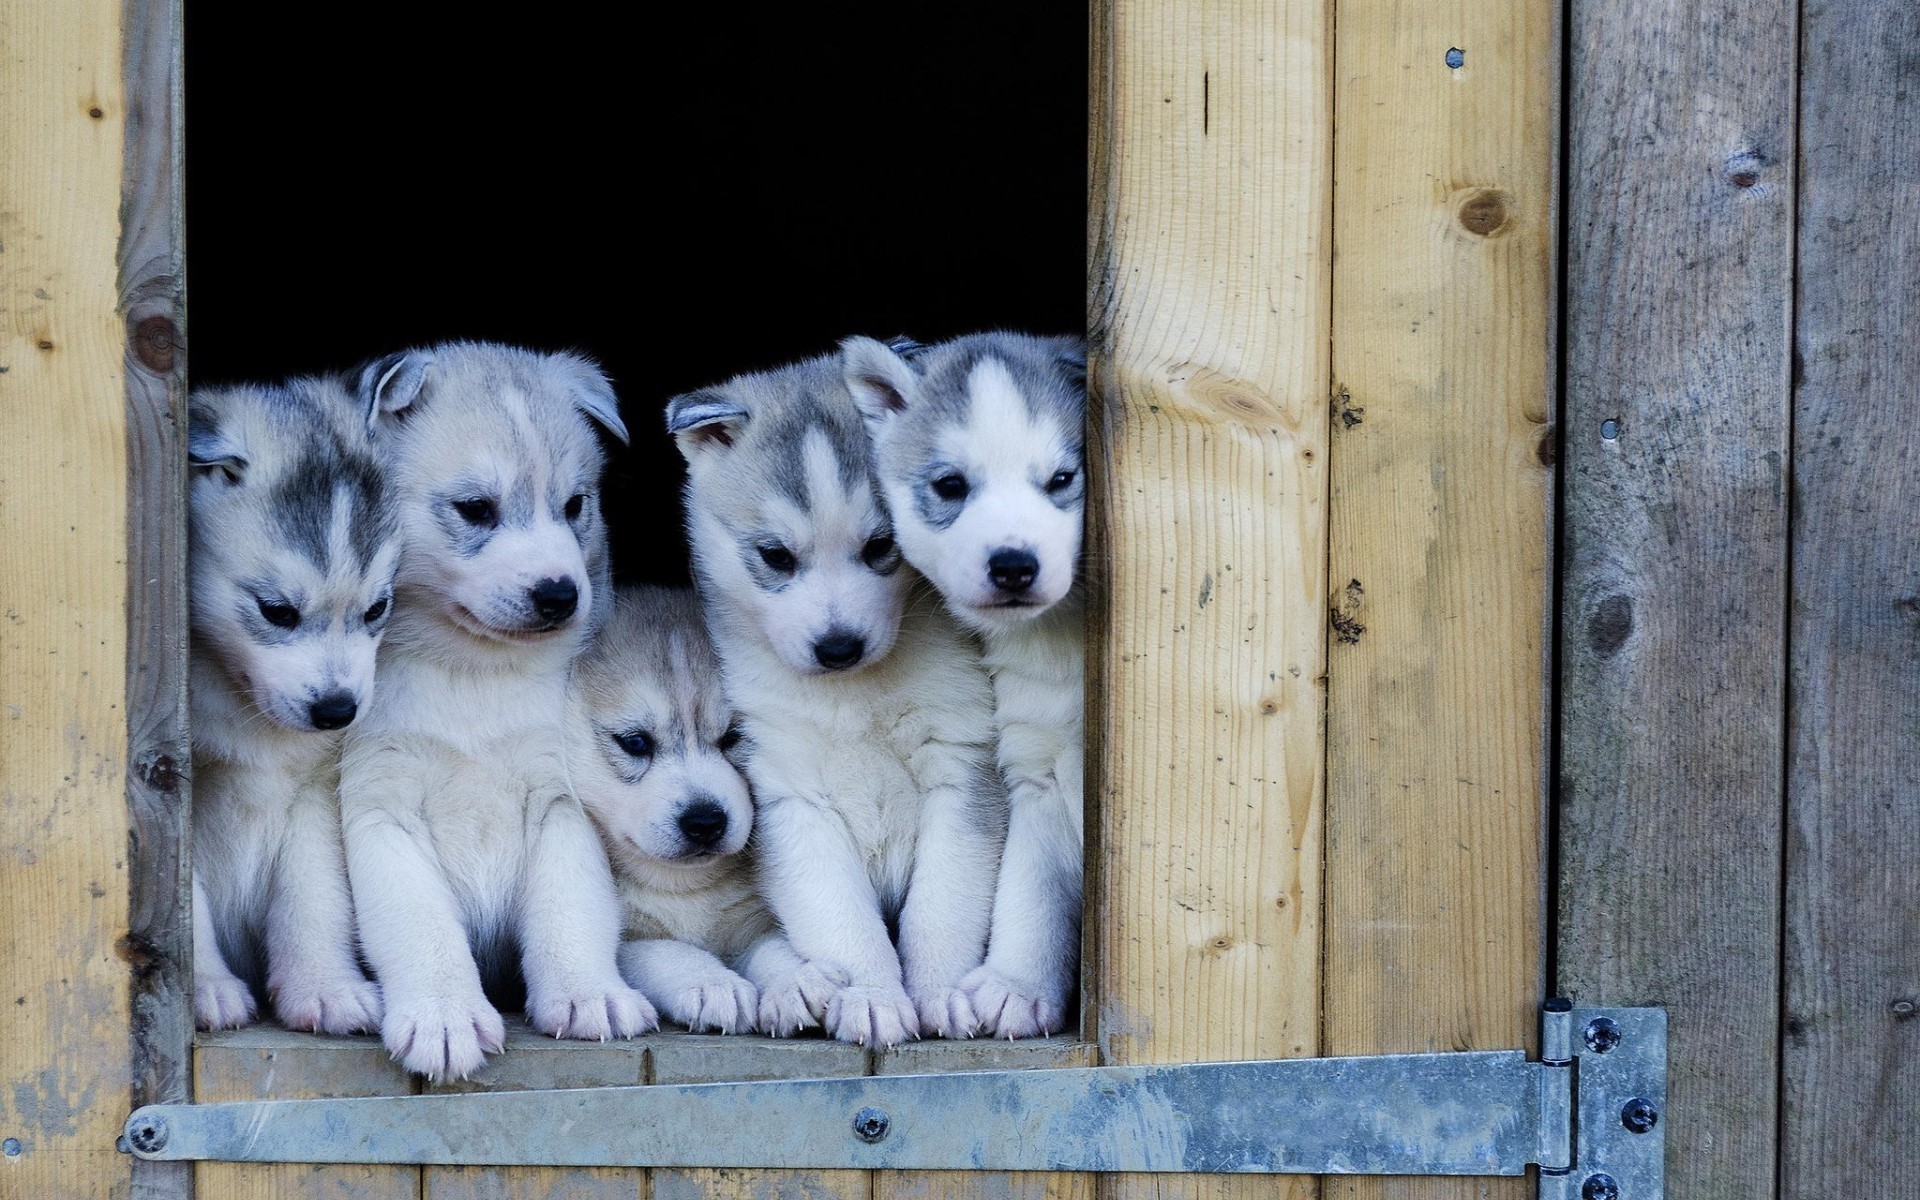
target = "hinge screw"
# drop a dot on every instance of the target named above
(149, 1136)
(11, 1147)
(1601, 1035)
(1599, 1187)
(871, 1125)
(1640, 1116)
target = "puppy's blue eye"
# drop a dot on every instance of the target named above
(575, 504)
(286, 616)
(779, 558)
(477, 511)
(951, 486)
(1061, 481)
(638, 743)
(375, 611)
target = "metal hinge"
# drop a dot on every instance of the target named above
(1588, 1115)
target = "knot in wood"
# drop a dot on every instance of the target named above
(153, 343)
(1485, 212)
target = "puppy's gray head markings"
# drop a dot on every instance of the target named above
(295, 542)
(661, 781)
(979, 445)
(497, 474)
(791, 536)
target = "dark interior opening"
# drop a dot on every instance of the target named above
(684, 193)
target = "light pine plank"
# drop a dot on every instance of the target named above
(1851, 1067)
(707, 1058)
(152, 302)
(1443, 296)
(940, 1057)
(65, 894)
(535, 1061)
(1679, 297)
(1209, 269)
(268, 1063)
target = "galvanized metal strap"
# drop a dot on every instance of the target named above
(1469, 1113)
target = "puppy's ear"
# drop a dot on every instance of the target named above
(1071, 354)
(391, 386)
(210, 450)
(882, 382)
(705, 420)
(593, 395)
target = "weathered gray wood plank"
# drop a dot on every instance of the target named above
(1851, 1069)
(1680, 210)
(158, 943)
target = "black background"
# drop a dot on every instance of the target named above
(683, 195)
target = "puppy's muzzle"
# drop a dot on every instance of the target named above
(335, 710)
(839, 650)
(554, 599)
(703, 823)
(1013, 571)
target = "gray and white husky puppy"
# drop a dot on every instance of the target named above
(293, 549)
(870, 713)
(466, 842)
(657, 764)
(979, 446)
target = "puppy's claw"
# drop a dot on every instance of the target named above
(730, 1005)
(800, 1001)
(443, 1040)
(615, 1011)
(1013, 1008)
(946, 1013)
(872, 1016)
(222, 1002)
(330, 1006)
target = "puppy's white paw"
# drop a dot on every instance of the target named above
(442, 1039)
(613, 1010)
(221, 1002)
(945, 1012)
(800, 1000)
(724, 1004)
(872, 1016)
(346, 1005)
(1013, 1008)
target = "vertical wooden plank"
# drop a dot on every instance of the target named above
(1679, 277)
(158, 944)
(1852, 1052)
(266, 1063)
(1441, 476)
(695, 1058)
(1208, 324)
(938, 1057)
(64, 891)
(535, 1061)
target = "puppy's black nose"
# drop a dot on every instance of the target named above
(334, 710)
(703, 822)
(838, 651)
(555, 599)
(1013, 571)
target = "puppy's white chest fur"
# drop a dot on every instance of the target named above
(1039, 683)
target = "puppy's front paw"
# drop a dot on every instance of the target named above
(442, 1039)
(725, 1004)
(945, 1012)
(346, 1005)
(872, 1016)
(800, 1000)
(592, 1015)
(221, 1002)
(1013, 1008)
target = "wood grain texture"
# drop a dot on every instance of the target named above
(65, 1074)
(984, 1054)
(153, 306)
(1679, 299)
(1208, 328)
(1443, 302)
(268, 1063)
(1851, 1069)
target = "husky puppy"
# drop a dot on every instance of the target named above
(293, 550)
(465, 840)
(869, 712)
(979, 445)
(654, 736)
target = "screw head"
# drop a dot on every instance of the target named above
(871, 1125)
(1599, 1187)
(148, 1136)
(1601, 1034)
(1639, 1115)
(11, 1147)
